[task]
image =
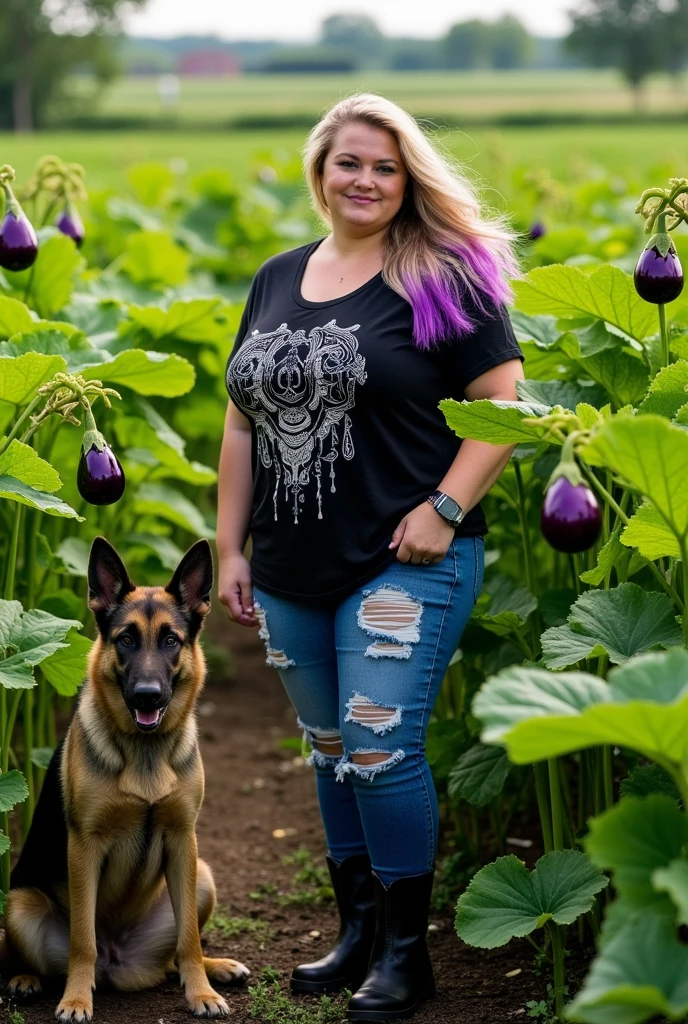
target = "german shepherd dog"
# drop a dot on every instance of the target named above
(109, 887)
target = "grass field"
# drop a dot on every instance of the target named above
(631, 151)
(472, 95)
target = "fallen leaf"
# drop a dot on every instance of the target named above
(512, 974)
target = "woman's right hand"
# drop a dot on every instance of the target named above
(235, 590)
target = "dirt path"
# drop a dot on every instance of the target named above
(254, 787)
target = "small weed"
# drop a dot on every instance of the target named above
(269, 1003)
(314, 879)
(291, 743)
(542, 1010)
(223, 925)
(16, 1018)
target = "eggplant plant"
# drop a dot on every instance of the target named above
(18, 241)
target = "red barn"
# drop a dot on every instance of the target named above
(209, 63)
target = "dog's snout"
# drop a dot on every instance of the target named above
(148, 691)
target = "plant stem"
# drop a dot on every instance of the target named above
(535, 624)
(608, 777)
(555, 798)
(14, 432)
(542, 794)
(558, 957)
(12, 554)
(663, 333)
(27, 723)
(684, 581)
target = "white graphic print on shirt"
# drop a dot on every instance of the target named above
(298, 388)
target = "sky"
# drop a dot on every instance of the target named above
(299, 20)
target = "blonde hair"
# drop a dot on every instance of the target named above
(438, 246)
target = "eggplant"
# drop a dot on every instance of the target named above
(658, 275)
(70, 223)
(18, 242)
(536, 230)
(570, 519)
(100, 477)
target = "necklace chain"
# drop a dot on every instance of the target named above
(364, 268)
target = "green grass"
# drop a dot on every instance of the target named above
(425, 93)
(631, 151)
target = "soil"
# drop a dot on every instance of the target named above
(254, 787)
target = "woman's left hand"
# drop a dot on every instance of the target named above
(422, 534)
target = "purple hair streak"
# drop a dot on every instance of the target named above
(438, 301)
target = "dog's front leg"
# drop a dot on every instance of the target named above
(181, 866)
(85, 861)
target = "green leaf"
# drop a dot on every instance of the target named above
(15, 490)
(647, 531)
(542, 330)
(151, 183)
(623, 621)
(566, 292)
(196, 320)
(21, 377)
(65, 670)
(493, 421)
(621, 374)
(10, 622)
(42, 756)
(173, 506)
(505, 900)
(673, 880)
(632, 840)
(51, 279)
(667, 391)
(22, 462)
(13, 790)
(567, 394)
(519, 694)
(646, 779)
(610, 555)
(141, 544)
(509, 606)
(39, 627)
(147, 373)
(14, 317)
(651, 456)
(73, 553)
(152, 258)
(640, 973)
(479, 775)
(644, 706)
(5, 845)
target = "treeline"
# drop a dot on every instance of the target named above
(349, 42)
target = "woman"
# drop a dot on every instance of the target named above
(362, 505)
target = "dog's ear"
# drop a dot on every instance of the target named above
(193, 579)
(108, 579)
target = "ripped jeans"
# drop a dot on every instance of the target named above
(363, 674)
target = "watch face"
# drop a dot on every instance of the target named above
(448, 507)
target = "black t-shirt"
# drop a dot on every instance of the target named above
(347, 435)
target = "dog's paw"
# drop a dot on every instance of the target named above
(225, 972)
(207, 1004)
(74, 1009)
(24, 986)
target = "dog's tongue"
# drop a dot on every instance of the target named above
(147, 717)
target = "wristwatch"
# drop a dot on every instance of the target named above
(449, 509)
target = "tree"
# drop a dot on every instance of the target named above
(356, 33)
(467, 45)
(41, 43)
(629, 34)
(512, 45)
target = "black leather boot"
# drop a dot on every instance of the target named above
(346, 964)
(400, 975)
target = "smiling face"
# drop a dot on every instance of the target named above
(363, 179)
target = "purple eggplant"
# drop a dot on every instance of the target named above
(100, 477)
(658, 277)
(536, 230)
(70, 223)
(570, 519)
(18, 242)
